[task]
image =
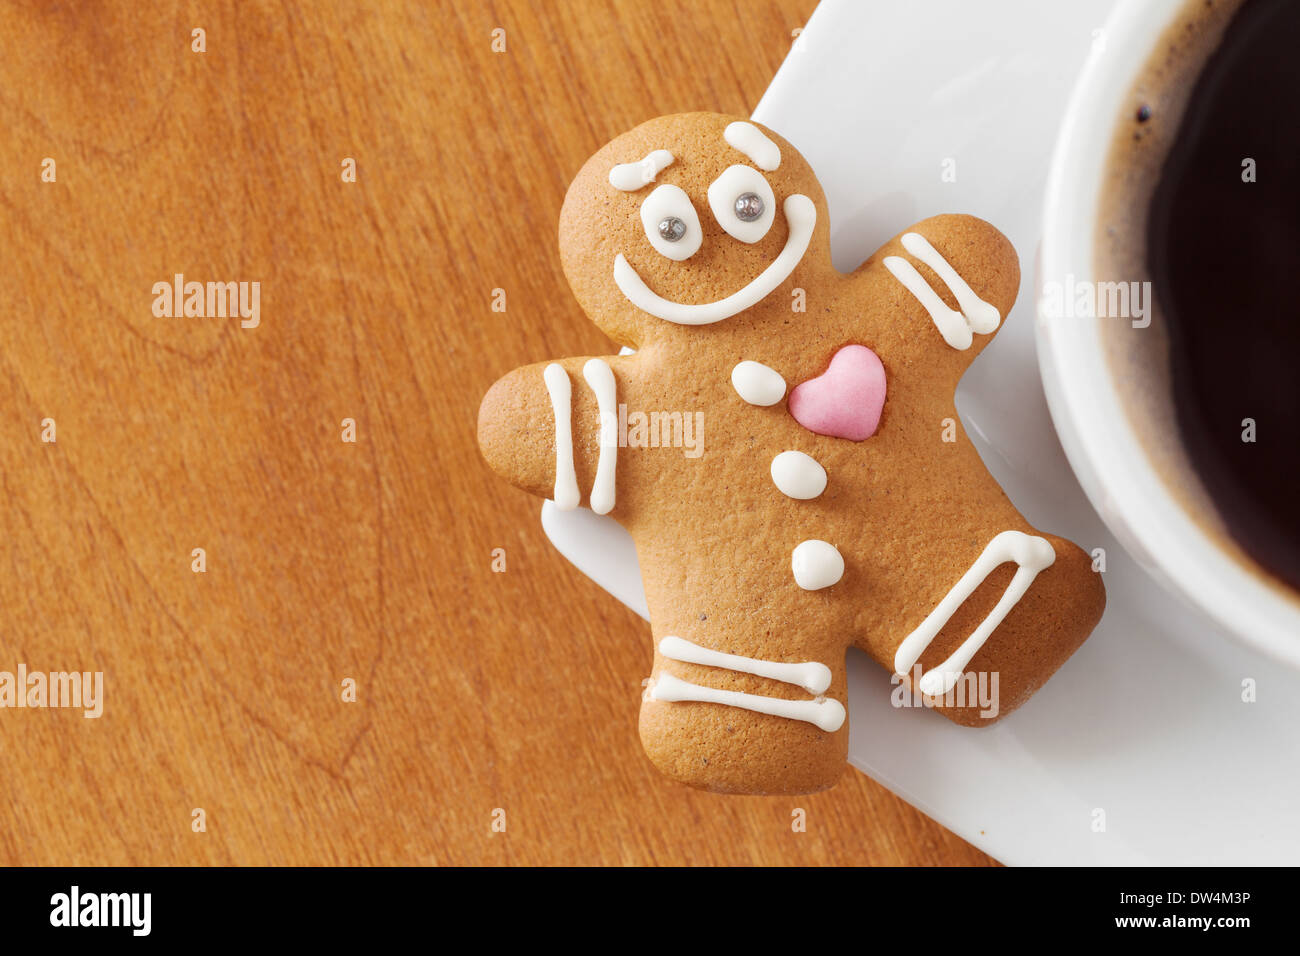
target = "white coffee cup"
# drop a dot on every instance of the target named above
(1115, 470)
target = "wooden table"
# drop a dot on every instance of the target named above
(327, 561)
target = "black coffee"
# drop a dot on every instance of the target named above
(1223, 251)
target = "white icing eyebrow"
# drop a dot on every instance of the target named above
(751, 141)
(630, 177)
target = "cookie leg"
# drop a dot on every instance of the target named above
(733, 724)
(1004, 627)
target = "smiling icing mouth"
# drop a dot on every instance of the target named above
(800, 213)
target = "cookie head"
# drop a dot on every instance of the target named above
(691, 220)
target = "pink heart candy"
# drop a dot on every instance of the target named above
(846, 400)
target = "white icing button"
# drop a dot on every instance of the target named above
(758, 384)
(798, 475)
(816, 565)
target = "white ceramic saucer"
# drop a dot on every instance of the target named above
(1144, 730)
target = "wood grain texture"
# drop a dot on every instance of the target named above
(328, 560)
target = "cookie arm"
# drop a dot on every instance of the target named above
(953, 279)
(539, 427)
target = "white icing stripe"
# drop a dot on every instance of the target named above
(566, 479)
(601, 379)
(983, 316)
(755, 144)
(951, 325)
(1030, 552)
(824, 712)
(957, 328)
(630, 177)
(812, 676)
(800, 213)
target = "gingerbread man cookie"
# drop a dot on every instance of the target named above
(784, 450)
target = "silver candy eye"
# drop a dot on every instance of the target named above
(671, 223)
(671, 229)
(749, 207)
(743, 203)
